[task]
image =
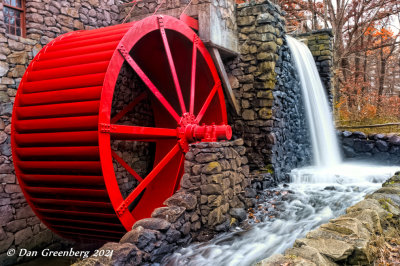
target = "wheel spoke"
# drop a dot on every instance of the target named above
(181, 162)
(193, 78)
(207, 102)
(126, 166)
(148, 82)
(135, 193)
(129, 107)
(138, 133)
(171, 65)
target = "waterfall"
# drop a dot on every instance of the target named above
(315, 195)
(324, 140)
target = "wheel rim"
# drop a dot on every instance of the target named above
(181, 100)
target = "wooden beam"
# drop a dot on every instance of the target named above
(224, 78)
(369, 126)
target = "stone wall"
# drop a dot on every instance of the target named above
(19, 227)
(379, 148)
(215, 190)
(272, 118)
(292, 147)
(352, 239)
(320, 43)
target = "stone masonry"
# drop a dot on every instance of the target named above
(379, 148)
(320, 43)
(215, 190)
(272, 118)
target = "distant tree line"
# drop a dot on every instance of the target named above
(366, 53)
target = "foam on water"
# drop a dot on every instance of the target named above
(315, 200)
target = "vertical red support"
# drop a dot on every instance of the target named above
(171, 64)
(193, 77)
(207, 102)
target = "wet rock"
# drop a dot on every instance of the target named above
(182, 199)
(363, 145)
(382, 145)
(394, 140)
(153, 224)
(360, 135)
(347, 134)
(335, 249)
(393, 181)
(238, 213)
(278, 259)
(215, 217)
(310, 254)
(171, 214)
(369, 218)
(139, 236)
(127, 254)
(346, 226)
(368, 204)
(172, 235)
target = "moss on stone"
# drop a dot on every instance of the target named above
(384, 204)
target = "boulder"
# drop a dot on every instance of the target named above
(335, 249)
(278, 260)
(182, 199)
(382, 145)
(394, 140)
(171, 214)
(310, 254)
(153, 224)
(140, 237)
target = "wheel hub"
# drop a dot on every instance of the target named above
(190, 131)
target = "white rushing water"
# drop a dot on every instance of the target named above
(315, 195)
(307, 206)
(324, 141)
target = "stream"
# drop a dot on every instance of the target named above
(314, 196)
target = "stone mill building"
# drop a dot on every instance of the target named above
(264, 107)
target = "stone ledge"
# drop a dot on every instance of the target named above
(353, 238)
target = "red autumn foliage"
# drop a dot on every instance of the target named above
(366, 49)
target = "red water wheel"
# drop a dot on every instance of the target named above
(67, 123)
